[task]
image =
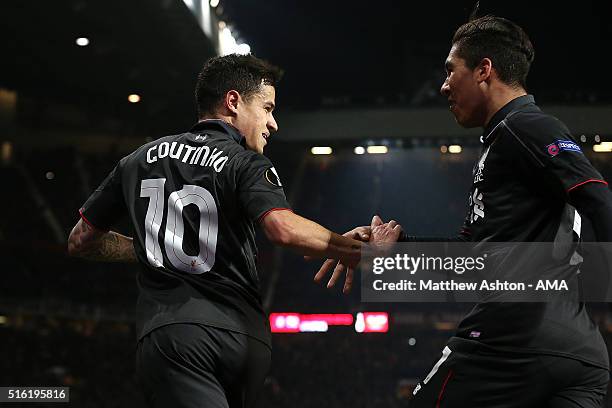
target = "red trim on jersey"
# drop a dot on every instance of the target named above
(450, 374)
(89, 223)
(585, 182)
(270, 210)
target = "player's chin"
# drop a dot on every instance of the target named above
(459, 121)
(458, 117)
(465, 122)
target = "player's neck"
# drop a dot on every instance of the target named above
(500, 97)
(217, 116)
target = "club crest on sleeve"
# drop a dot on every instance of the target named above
(559, 146)
(272, 177)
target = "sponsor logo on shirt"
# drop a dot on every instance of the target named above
(559, 146)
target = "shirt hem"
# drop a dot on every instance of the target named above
(86, 221)
(222, 326)
(262, 216)
(586, 182)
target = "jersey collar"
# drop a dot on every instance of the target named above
(505, 111)
(219, 125)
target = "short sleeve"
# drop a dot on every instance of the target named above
(259, 186)
(551, 148)
(105, 205)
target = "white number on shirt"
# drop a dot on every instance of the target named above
(173, 234)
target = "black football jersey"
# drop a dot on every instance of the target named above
(193, 199)
(529, 164)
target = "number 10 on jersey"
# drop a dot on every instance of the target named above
(175, 228)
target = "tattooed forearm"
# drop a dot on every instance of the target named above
(90, 243)
(110, 247)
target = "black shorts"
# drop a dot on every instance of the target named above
(470, 374)
(192, 365)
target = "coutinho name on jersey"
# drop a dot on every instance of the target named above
(202, 155)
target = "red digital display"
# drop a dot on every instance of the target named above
(285, 322)
(331, 319)
(372, 322)
(366, 322)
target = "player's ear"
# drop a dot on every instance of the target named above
(232, 99)
(484, 70)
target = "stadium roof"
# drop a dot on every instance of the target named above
(345, 53)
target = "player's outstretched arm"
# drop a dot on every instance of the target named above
(309, 238)
(89, 243)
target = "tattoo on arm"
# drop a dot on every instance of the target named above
(111, 247)
(88, 243)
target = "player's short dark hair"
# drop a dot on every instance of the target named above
(243, 73)
(500, 40)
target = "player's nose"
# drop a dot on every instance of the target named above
(272, 125)
(445, 89)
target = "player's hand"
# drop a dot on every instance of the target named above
(360, 233)
(386, 233)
